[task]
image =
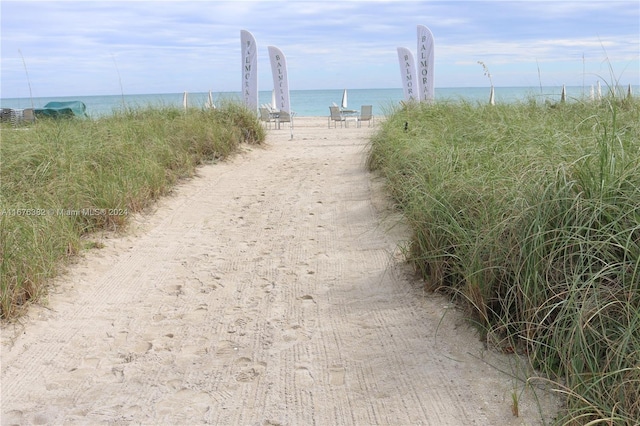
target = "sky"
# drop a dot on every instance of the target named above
(83, 48)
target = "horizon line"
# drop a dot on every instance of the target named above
(625, 85)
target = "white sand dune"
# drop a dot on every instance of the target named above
(269, 290)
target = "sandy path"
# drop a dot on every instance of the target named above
(268, 291)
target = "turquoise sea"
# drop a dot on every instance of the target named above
(306, 103)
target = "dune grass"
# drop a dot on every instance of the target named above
(61, 180)
(530, 215)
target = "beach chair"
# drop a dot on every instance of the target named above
(19, 116)
(335, 116)
(266, 116)
(366, 114)
(6, 115)
(29, 115)
(285, 117)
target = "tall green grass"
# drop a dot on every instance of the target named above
(63, 179)
(530, 214)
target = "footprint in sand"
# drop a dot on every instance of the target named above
(249, 370)
(303, 377)
(294, 333)
(336, 375)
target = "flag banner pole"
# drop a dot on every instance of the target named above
(425, 64)
(280, 78)
(249, 70)
(408, 74)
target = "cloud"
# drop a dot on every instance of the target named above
(171, 46)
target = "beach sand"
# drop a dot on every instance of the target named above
(269, 290)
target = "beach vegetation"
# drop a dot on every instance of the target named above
(62, 180)
(528, 214)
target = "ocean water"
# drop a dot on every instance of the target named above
(307, 103)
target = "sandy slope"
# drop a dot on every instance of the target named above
(267, 291)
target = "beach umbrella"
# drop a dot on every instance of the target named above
(209, 103)
(563, 95)
(184, 100)
(492, 97)
(344, 99)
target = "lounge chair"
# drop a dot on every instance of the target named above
(285, 117)
(29, 115)
(366, 114)
(335, 116)
(6, 114)
(266, 116)
(17, 116)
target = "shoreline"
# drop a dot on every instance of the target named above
(309, 102)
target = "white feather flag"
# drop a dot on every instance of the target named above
(280, 79)
(408, 74)
(249, 70)
(425, 64)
